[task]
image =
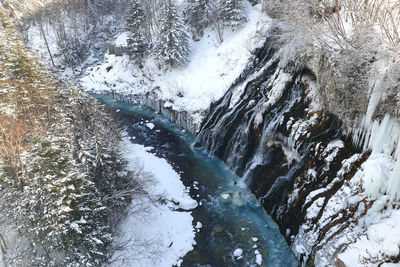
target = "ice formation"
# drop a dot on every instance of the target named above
(380, 136)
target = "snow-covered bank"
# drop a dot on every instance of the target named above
(212, 69)
(155, 233)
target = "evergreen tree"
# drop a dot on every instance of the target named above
(104, 6)
(138, 42)
(92, 14)
(197, 15)
(173, 43)
(233, 12)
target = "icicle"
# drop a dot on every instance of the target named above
(380, 135)
(376, 88)
(394, 178)
(382, 139)
(394, 182)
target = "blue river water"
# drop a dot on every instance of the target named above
(230, 215)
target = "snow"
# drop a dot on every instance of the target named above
(312, 94)
(75, 227)
(36, 42)
(332, 149)
(314, 209)
(238, 253)
(376, 89)
(212, 69)
(382, 138)
(199, 225)
(299, 128)
(258, 258)
(169, 185)
(393, 187)
(122, 39)
(280, 80)
(155, 232)
(381, 238)
(1, 259)
(150, 125)
(278, 83)
(372, 233)
(377, 169)
(226, 196)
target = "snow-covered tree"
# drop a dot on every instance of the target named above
(104, 6)
(233, 12)
(92, 14)
(173, 42)
(64, 182)
(197, 13)
(138, 42)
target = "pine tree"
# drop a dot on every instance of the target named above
(197, 15)
(173, 42)
(138, 42)
(233, 12)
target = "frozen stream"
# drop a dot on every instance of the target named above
(235, 230)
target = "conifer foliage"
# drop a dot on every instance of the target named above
(63, 179)
(173, 42)
(138, 41)
(233, 12)
(197, 15)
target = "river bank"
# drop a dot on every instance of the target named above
(228, 219)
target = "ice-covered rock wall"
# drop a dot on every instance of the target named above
(369, 105)
(324, 184)
(181, 118)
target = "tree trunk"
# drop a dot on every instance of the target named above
(47, 44)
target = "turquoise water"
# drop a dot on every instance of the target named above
(231, 216)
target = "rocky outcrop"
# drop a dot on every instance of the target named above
(284, 134)
(182, 118)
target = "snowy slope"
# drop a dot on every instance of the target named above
(212, 69)
(155, 233)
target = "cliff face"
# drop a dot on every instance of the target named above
(285, 135)
(348, 85)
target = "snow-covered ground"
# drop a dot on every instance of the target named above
(159, 229)
(212, 69)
